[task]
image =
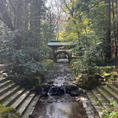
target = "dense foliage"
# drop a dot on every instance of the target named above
(25, 29)
(87, 23)
(7, 112)
(27, 26)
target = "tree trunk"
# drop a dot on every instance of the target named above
(26, 16)
(35, 15)
(108, 32)
(116, 29)
(4, 14)
(35, 19)
(18, 15)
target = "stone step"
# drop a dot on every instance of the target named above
(30, 108)
(20, 100)
(97, 107)
(2, 78)
(5, 89)
(101, 99)
(88, 108)
(9, 93)
(14, 97)
(111, 92)
(2, 84)
(114, 88)
(25, 103)
(106, 95)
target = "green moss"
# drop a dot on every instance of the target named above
(110, 113)
(106, 74)
(7, 112)
(97, 101)
(47, 63)
(4, 100)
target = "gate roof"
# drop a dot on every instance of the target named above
(60, 44)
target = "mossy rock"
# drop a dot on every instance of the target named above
(113, 75)
(8, 112)
(89, 81)
(106, 74)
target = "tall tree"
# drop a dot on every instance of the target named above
(116, 35)
(35, 15)
(4, 14)
(108, 32)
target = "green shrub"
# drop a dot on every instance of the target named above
(29, 74)
(7, 112)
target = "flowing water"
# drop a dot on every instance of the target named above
(59, 104)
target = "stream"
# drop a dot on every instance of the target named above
(60, 102)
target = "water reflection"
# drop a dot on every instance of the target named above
(59, 104)
(60, 109)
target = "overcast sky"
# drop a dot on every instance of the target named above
(54, 4)
(48, 2)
